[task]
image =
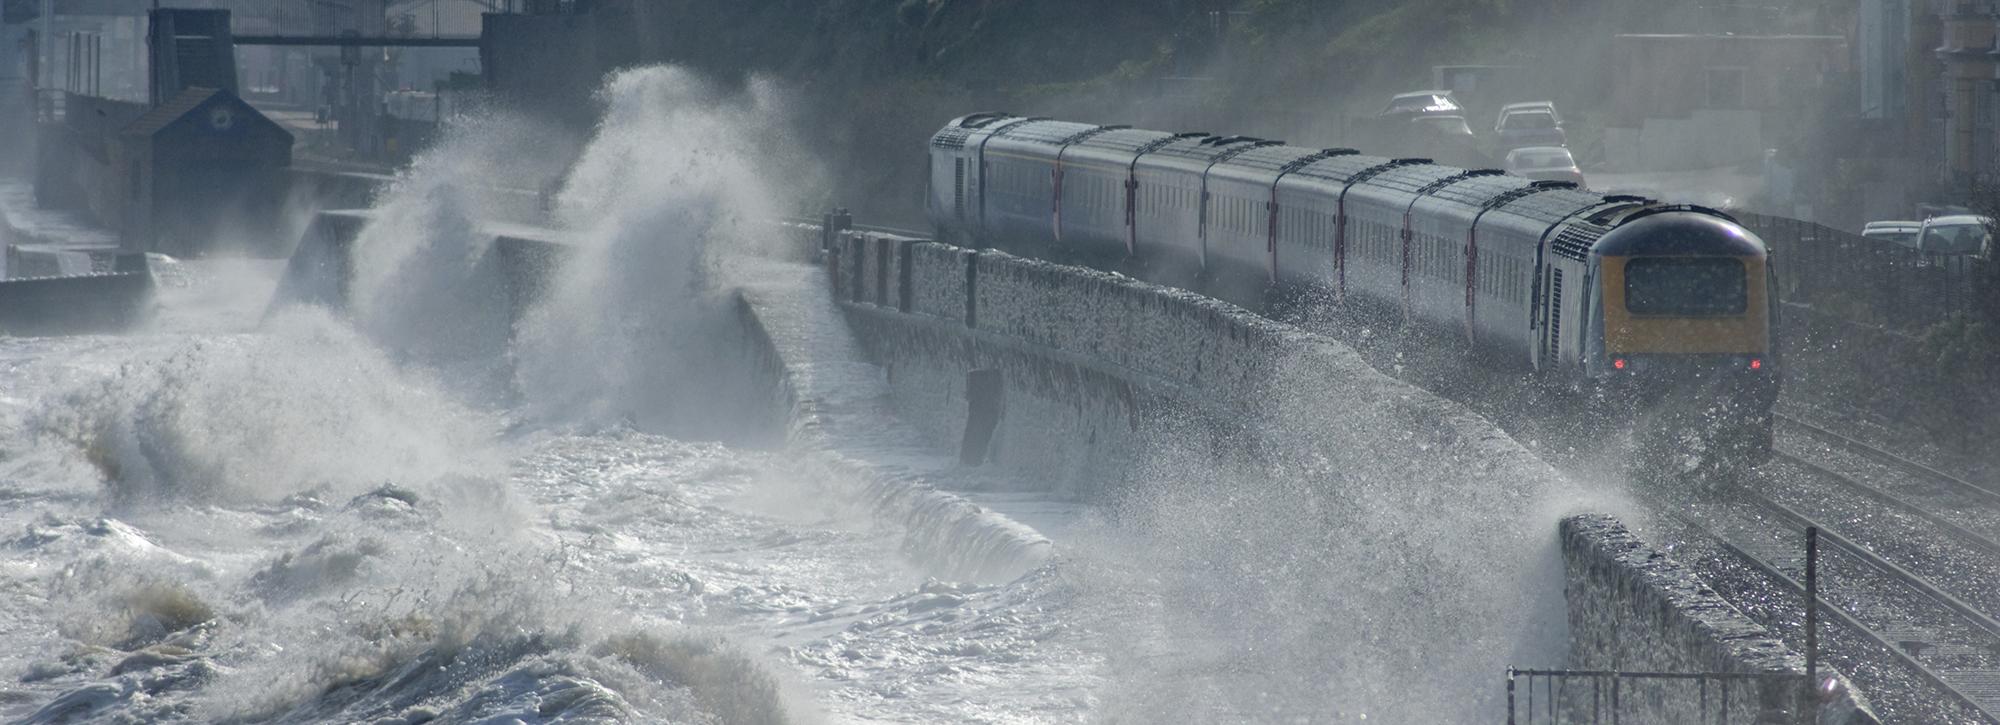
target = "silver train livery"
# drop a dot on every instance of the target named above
(1658, 308)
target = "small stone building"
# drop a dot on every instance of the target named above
(202, 170)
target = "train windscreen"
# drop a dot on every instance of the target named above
(1685, 286)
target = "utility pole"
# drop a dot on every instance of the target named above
(45, 56)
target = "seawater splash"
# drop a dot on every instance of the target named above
(1389, 556)
(244, 561)
(306, 407)
(418, 287)
(318, 520)
(680, 172)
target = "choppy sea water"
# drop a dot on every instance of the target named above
(281, 523)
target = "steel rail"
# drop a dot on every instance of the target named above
(1869, 451)
(1848, 621)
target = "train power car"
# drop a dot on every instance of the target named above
(1660, 309)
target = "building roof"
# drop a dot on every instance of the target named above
(166, 113)
(223, 112)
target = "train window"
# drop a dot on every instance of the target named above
(1685, 286)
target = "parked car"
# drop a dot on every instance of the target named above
(1900, 233)
(1448, 126)
(1957, 235)
(1529, 124)
(1415, 103)
(1446, 139)
(1550, 163)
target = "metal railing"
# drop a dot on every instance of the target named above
(1615, 696)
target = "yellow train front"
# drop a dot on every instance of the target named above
(1680, 342)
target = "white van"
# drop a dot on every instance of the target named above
(1902, 234)
(1957, 235)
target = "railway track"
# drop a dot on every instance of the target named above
(1932, 634)
(1930, 613)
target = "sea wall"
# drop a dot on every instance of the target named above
(1632, 608)
(1091, 367)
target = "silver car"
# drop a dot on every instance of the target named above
(1899, 233)
(1529, 124)
(1545, 163)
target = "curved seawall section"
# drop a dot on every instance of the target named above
(1084, 379)
(835, 405)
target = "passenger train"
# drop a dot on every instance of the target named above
(1663, 309)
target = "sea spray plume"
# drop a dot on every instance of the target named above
(417, 287)
(680, 172)
(1358, 547)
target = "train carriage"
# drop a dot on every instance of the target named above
(1098, 195)
(1442, 221)
(1651, 307)
(1179, 171)
(1019, 166)
(1383, 249)
(1313, 245)
(1241, 204)
(957, 188)
(1507, 237)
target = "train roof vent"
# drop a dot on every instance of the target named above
(1575, 240)
(1433, 187)
(1533, 187)
(1625, 198)
(1413, 160)
(980, 119)
(1080, 136)
(1696, 208)
(1306, 160)
(952, 138)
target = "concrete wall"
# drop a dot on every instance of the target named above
(1633, 608)
(109, 302)
(505, 282)
(1094, 364)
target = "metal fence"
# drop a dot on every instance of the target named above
(1865, 280)
(1604, 696)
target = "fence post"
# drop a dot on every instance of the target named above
(1812, 622)
(1510, 696)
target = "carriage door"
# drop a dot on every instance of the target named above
(1552, 331)
(958, 188)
